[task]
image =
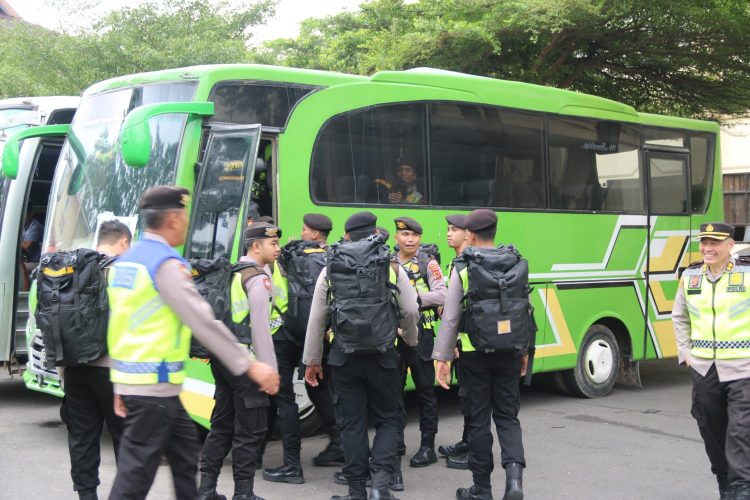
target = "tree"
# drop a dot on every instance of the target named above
(152, 36)
(689, 58)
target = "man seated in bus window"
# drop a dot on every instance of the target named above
(404, 189)
(31, 241)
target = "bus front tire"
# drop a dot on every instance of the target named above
(597, 366)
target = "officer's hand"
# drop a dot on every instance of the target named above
(265, 376)
(312, 374)
(443, 374)
(524, 364)
(120, 409)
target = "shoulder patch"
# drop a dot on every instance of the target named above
(434, 268)
(267, 283)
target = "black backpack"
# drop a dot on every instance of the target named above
(302, 261)
(213, 279)
(364, 313)
(497, 313)
(72, 307)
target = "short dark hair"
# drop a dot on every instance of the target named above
(486, 234)
(112, 231)
(154, 219)
(361, 234)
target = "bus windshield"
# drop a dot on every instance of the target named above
(92, 183)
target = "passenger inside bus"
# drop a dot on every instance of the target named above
(31, 241)
(404, 189)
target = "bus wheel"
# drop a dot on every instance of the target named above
(598, 364)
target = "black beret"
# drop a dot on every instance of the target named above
(318, 222)
(407, 223)
(165, 198)
(261, 230)
(480, 219)
(458, 220)
(716, 231)
(360, 221)
(386, 234)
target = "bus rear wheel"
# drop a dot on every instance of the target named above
(598, 364)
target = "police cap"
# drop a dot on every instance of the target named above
(318, 222)
(260, 231)
(480, 219)
(458, 220)
(360, 221)
(386, 234)
(408, 224)
(716, 231)
(265, 218)
(165, 198)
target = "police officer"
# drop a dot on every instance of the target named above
(427, 278)
(239, 419)
(494, 381)
(711, 321)
(363, 381)
(457, 455)
(153, 307)
(88, 402)
(288, 343)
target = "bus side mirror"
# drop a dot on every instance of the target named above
(11, 151)
(135, 138)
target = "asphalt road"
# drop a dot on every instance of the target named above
(633, 444)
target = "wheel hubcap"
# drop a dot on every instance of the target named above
(599, 361)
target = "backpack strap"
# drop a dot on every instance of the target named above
(250, 271)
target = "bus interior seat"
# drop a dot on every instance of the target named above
(475, 193)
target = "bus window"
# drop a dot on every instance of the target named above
(374, 156)
(701, 170)
(245, 103)
(664, 137)
(667, 175)
(594, 165)
(482, 156)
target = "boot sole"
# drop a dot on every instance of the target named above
(323, 463)
(396, 488)
(514, 495)
(457, 467)
(288, 480)
(420, 465)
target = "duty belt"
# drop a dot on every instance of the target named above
(721, 344)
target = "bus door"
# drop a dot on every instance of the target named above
(669, 242)
(29, 191)
(222, 191)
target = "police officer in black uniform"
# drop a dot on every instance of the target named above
(494, 391)
(363, 382)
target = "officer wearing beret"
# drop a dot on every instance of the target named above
(426, 277)
(457, 455)
(288, 342)
(239, 419)
(154, 306)
(364, 382)
(712, 327)
(493, 393)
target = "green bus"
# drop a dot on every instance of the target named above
(603, 201)
(30, 188)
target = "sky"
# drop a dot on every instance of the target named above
(289, 14)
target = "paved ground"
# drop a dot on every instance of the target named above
(633, 444)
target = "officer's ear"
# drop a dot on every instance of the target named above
(347, 237)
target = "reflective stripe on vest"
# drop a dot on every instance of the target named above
(241, 308)
(466, 345)
(280, 299)
(719, 312)
(421, 285)
(147, 342)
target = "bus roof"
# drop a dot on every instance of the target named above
(507, 93)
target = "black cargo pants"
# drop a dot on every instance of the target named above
(239, 422)
(419, 361)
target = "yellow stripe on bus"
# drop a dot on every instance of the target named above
(556, 318)
(670, 255)
(197, 404)
(665, 335)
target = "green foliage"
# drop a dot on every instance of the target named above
(688, 58)
(154, 35)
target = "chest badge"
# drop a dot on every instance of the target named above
(695, 281)
(736, 282)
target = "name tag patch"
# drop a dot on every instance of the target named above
(738, 288)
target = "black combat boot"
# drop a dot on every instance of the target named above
(740, 492)
(424, 457)
(454, 449)
(207, 488)
(243, 490)
(88, 494)
(288, 473)
(457, 461)
(381, 482)
(357, 491)
(474, 493)
(514, 481)
(724, 490)
(340, 478)
(334, 452)
(397, 479)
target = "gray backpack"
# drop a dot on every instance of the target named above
(361, 301)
